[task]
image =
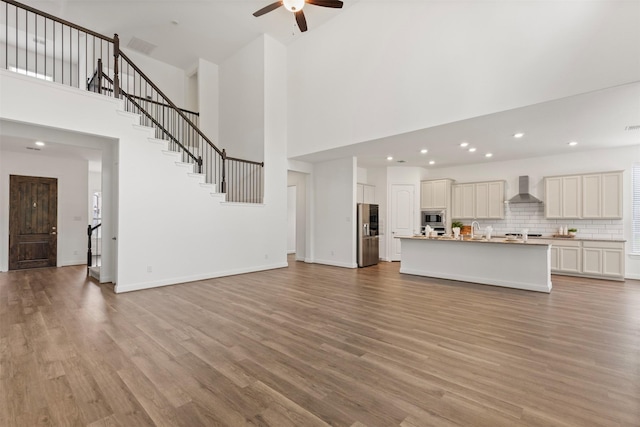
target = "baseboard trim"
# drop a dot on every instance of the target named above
(632, 277)
(480, 280)
(335, 263)
(291, 252)
(186, 279)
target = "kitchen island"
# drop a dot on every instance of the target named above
(497, 262)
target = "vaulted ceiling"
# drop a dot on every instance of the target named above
(180, 32)
(597, 115)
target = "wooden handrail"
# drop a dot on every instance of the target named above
(166, 98)
(55, 18)
(245, 161)
(155, 122)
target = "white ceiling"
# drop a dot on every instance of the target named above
(208, 29)
(595, 120)
(215, 29)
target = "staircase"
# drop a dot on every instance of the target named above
(43, 46)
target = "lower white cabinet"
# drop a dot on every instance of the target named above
(590, 258)
(566, 256)
(603, 258)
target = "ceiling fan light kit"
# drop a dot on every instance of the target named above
(296, 6)
(293, 5)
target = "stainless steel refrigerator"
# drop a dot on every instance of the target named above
(368, 252)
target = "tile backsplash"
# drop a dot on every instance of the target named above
(531, 217)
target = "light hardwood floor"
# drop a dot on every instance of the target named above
(313, 345)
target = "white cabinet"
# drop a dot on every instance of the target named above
(369, 194)
(591, 196)
(603, 259)
(569, 259)
(566, 256)
(591, 258)
(563, 196)
(481, 200)
(365, 193)
(496, 199)
(435, 194)
(463, 206)
(597, 195)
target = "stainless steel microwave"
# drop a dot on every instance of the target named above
(433, 218)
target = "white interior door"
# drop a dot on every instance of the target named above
(401, 216)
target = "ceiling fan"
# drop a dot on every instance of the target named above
(296, 6)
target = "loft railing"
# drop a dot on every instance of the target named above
(43, 46)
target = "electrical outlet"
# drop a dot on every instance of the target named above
(332, 254)
(266, 256)
(75, 252)
(149, 269)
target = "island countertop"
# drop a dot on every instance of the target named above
(498, 240)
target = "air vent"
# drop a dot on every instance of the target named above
(634, 127)
(32, 148)
(402, 161)
(39, 41)
(141, 46)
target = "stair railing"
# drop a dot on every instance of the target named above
(90, 254)
(43, 46)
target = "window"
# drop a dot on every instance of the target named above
(30, 73)
(635, 222)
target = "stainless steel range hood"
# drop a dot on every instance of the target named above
(523, 196)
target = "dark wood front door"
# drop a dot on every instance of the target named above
(33, 225)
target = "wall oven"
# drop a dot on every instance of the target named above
(436, 219)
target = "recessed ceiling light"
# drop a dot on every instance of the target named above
(488, 155)
(432, 162)
(40, 143)
(518, 135)
(572, 143)
(424, 151)
(464, 144)
(389, 157)
(471, 150)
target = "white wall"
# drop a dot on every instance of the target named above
(421, 64)
(611, 159)
(208, 100)
(169, 229)
(72, 176)
(171, 80)
(291, 219)
(242, 112)
(335, 212)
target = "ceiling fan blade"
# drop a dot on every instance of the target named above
(301, 20)
(267, 9)
(326, 3)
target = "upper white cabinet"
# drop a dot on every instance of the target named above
(597, 195)
(463, 201)
(366, 193)
(482, 200)
(435, 194)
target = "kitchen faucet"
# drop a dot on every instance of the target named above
(474, 224)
